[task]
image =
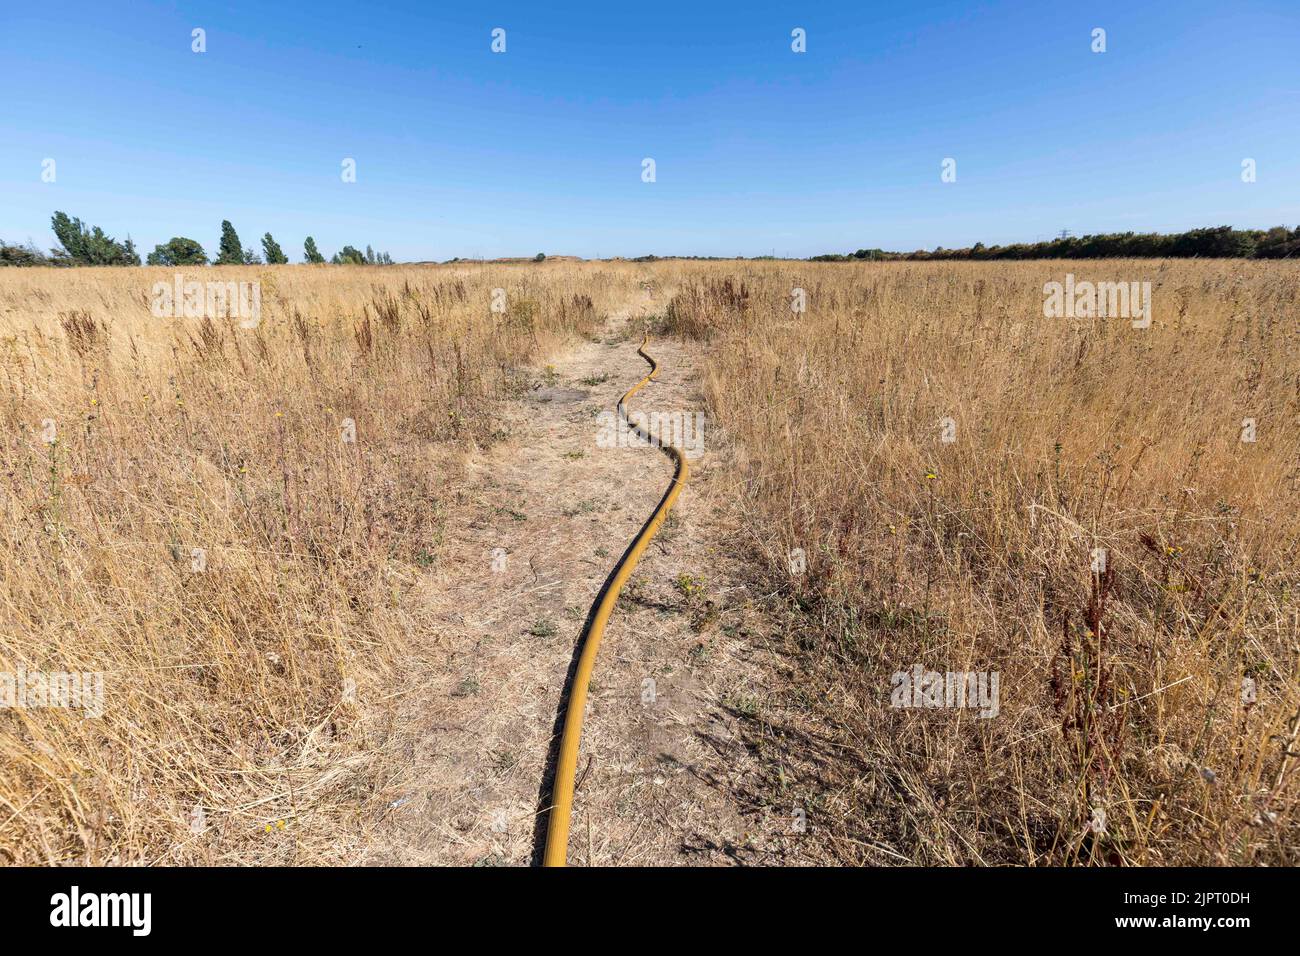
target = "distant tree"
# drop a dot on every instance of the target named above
(370, 255)
(1214, 242)
(251, 258)
(348, 256)
(310, 253)
(1277, 243)
(27, 255)
(83, 246)
(272, 252)
(178, 252)
(1219, 242)
(230, 252)
(540, 257)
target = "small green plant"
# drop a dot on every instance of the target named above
(746, 705)
(466, 688)
(543, 628)
(688, 585)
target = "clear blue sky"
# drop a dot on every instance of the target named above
(462, 152)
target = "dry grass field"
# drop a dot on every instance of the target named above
(1122, 688)
(246, 691)
(231, 691)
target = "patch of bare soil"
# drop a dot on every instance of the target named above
(690, 752)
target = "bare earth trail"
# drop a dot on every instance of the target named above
(667, 774)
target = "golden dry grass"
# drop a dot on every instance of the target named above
(1120, 691)
(247, 689)
(257, 689)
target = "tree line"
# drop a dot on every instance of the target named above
(83, 245)
(1217, 242)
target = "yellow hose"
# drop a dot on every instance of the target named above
(557, 830)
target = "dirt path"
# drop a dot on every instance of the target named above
(669, 770)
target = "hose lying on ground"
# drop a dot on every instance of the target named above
(557, 831)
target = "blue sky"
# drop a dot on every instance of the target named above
(463, 152)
